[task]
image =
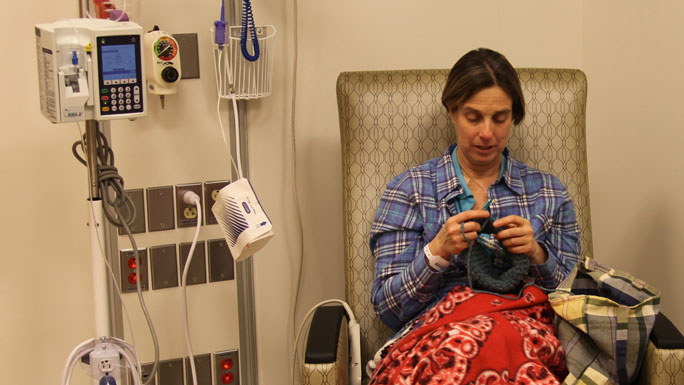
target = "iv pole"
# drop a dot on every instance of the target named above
(245, 268)
(97, 236)
(96, 228)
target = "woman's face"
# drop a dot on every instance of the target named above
(482, 124)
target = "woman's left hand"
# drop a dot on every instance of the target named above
(517, 237)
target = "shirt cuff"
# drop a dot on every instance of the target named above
(423, 273)
(546, 272)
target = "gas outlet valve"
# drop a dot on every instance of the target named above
(163, 63)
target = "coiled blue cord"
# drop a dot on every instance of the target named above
(248, 23)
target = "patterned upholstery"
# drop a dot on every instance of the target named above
(393, 120)
(662, 366)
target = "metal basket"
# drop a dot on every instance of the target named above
(238, 77)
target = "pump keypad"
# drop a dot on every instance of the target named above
(121, 98)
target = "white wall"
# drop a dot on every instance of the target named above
(630, 52)
(633, 58)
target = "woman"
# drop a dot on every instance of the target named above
(430, 215)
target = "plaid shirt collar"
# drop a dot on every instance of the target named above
(449, 187)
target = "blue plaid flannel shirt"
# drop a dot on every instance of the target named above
(416, 204)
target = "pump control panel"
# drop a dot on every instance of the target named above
(91, 69)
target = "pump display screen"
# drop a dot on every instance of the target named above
(118, 63)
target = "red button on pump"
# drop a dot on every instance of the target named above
(227, 378)
(226, 364)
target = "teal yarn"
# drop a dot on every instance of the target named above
(492, 270)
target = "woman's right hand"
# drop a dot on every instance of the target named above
(450, 240)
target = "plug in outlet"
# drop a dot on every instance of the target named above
(186, 214)
(105, 361)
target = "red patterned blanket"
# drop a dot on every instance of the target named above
(478, 338)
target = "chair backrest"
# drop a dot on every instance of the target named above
(393, 120)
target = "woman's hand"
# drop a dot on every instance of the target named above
(517, 237)
(450, 240)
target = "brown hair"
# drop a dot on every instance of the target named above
(479, 69)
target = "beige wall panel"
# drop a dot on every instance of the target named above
(632, 57)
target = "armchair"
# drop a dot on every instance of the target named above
(393, 120)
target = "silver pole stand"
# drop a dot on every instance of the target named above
(97, 237)
(245, 269)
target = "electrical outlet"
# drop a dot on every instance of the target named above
(105, 361)
(138, 200)
(197, 273)
(202, 368)
(226, 368)
(164, 266)
(211, 190)
(160, 208)
(170, 372)
(186, 214)
(129, 268)
(221, 265)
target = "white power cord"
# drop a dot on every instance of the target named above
(190, 198)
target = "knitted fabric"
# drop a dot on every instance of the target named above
(492, 268)
(500, 274)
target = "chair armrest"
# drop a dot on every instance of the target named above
(665, 334)
(324, 334)
(326, 359)
(664, 360)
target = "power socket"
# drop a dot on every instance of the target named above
(105, 361)
(226, 368)
(129, 268)
(211, 190)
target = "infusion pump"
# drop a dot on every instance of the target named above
(91, 69)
